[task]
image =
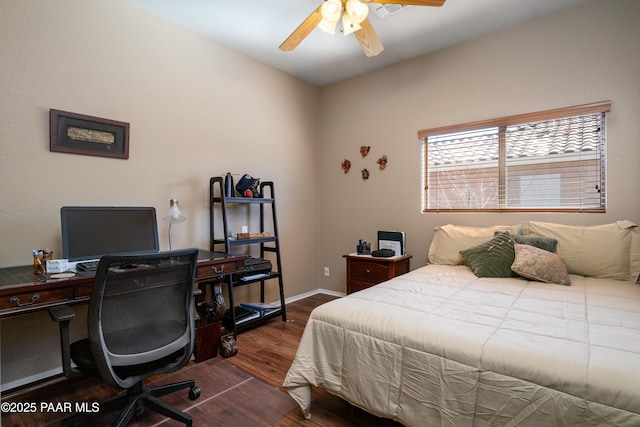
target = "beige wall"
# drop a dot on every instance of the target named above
(197, 109)
(577, 56)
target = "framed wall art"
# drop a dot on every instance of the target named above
(92, 136)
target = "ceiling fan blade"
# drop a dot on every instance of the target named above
(436, 3)
(302, 31)
(368, 39)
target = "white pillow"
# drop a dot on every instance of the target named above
(449, 240)
(635, 253)
(595, 251)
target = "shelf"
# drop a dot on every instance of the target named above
(239, 242)
(224, 206)
(237, 283)
(252, 241)
(243, 200)
(252, 323)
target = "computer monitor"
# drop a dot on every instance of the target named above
(88, 232)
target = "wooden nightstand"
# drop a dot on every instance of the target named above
(364, 271)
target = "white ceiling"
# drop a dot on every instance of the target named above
(257, 27)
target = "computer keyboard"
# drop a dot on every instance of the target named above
(88, 266)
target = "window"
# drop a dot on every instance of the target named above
(546, 161)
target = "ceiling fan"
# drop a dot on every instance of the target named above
(354, 20)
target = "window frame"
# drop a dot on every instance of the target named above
(503, 123)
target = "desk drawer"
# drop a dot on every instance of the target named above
(369, 272)
(216, 269)
(83, 290)
(25, 299)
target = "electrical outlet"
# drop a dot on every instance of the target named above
(326, 271)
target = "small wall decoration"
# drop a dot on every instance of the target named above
(382, 162)
(364, 151)
(346, 165)
(93, 136)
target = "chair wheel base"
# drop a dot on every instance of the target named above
(194, 393)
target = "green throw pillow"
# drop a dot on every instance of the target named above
(492, 258)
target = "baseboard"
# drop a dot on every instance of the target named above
(312, 293)
(36, 381)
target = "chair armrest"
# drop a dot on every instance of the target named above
(62, 313)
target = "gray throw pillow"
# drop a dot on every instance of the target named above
(546, 243)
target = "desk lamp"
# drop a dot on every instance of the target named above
(174, 216)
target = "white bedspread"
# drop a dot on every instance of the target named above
(440, 347)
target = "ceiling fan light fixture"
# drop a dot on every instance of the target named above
(354, 20)
(330, 11)
(357, 11)
(328, 27)
(348, 26)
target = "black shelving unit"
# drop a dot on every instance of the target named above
(270, 243)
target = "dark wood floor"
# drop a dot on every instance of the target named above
(264, 353)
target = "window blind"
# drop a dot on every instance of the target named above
(545, 161)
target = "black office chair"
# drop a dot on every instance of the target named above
(140, 323)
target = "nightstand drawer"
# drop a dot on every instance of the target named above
(364, 272)
(357, 285)
(369, 271)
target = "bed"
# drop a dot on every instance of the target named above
(442, 346)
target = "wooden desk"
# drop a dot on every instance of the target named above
(23, 292)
